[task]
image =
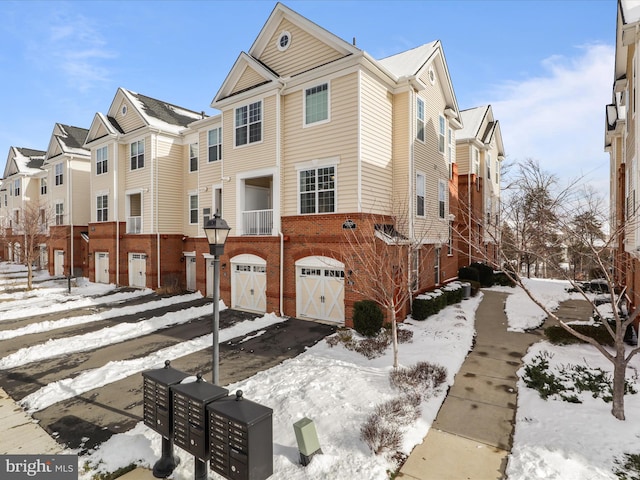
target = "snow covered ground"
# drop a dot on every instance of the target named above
(338, 389)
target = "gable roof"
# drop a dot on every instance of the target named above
(20, 160)
(69, 140)
(480, 124)
(409, 62)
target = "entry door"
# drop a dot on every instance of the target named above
(137, 270)
(58, 262)
(249, 283)
(44, 257)
(191, 273)
(102, 267)
(320, 290)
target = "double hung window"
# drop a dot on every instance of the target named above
(102, 208)
(318, 190)
(59, 178)
(420, 120)
(248, 124)
(101, 160)
(137, 155)
(316, 104)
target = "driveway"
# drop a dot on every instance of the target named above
(89, 419)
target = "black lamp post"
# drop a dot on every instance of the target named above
(217, 232)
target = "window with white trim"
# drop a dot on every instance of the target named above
(316, 104)
(420, 191)
(193, 209)
(420, 124)
(206, 215)
(442, 198)
(16, 187)
(43, 186)
(497, 172)
(59, 213)
(102, 208)
(450, 152)
(317, 190)
(58, 175)
(16, 217)
(102, 156)
(214, 144)
(476, 161)
(193, 157)
(248, 124)
(137, 155)
(441, 133)
(488, 166)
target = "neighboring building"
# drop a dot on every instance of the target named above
(63, 187)
(479, 154)
(622, 136)
(20, 185)
(136, 195)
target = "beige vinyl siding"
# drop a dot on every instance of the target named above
(103, 182)
(81, 211)
(249, 78)
(253, 156)
(101, 131)
(169, 195)
(131, 121)
(123, 168)
(139, 179)
(209, 173)
(402, 139)
(463, 156)
(376, 139)
(336, 138)
(304, 53)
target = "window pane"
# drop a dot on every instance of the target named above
(308, 203)
(317, 103)
(241, 116)
(308, 181)
(326, 202)
(241, 136)
(255, 132)
(255, 112)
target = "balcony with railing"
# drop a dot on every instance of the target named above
(257, 222)
(134, 224)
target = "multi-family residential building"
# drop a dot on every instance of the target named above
(316, 141)
(622, 134)
(64, 193)
(479, 154)
(20, 185)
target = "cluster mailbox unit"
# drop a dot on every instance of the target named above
(240, 433)
(233, 434)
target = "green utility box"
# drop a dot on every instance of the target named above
(307, 439)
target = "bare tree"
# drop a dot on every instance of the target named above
(571, 215)
(385, 249)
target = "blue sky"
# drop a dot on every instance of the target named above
(545, 66)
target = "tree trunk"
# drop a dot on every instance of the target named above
(394, 336)
(619, 369)
(29, 276)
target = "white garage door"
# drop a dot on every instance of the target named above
(320, 289)
(102, 267)
(249, 283)
(137, 270)
(58, 262)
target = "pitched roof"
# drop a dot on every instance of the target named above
(162, 114)
(472, 120)
(407, 63)
(30, 152)
(75, 136)
(630, 11)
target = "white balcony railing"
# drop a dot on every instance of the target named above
(134, 224)
(257, 222)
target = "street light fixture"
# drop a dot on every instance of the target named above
(217, 231)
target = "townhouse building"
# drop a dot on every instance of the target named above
(622, 132)
(480, 152)
(20, 185)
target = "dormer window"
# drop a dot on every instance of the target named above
(284, 40)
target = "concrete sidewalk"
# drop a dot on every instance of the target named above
(472, 434)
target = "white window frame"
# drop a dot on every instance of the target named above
(421, 190)
(247, 124)
(316, 191)
(58, 174)
(442, 129)
(16, 216)
(43, 186)
(442, 199)
(193, 157)
(193, 211)
(139, 157)
(450, 152)
(102, 158)
(488, 162)
(59, 213)
(214, 147)
(17, 187)
(420, 120)
(102, 211)
(308, 109)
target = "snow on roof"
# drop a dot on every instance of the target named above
(408, 63)
(630, 10)
(72, 139)
(471, 121)
(28, 160)
(164, 115)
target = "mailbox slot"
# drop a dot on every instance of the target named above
(157, 398)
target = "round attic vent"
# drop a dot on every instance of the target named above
(124, 110)
(432, 76)
(284, 40)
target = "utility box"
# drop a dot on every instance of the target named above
(158, 401)
(190, 416)
(241, 438)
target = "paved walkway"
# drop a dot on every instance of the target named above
(472, 434)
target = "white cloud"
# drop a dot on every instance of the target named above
(558, 118)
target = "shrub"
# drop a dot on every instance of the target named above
(380, 435)
(367, 318)
(628, 468)
(403, 410)
(423, 378)
(469, 273)
(453, 292)
(475, 287)
(502, 279)
(421, 308)
(369, 347)
(559, 336)
(485, 273)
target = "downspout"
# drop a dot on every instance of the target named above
(469, 202)
(281, 186)
(69, 190)
(154, 195)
